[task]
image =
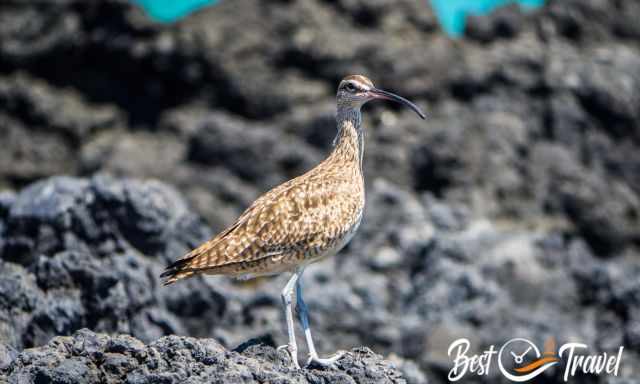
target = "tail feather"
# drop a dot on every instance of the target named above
(176, 266)
(172, 278)
(195, 262)
(183, 269)
(179, 269)
(192, 263)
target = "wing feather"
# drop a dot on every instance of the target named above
(290, 219)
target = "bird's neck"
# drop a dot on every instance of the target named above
(349, 142)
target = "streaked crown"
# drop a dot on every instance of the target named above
(358, 79)
(352, 91)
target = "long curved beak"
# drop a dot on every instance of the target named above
(380, 94)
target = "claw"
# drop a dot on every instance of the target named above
(292, 352)
(327, 362)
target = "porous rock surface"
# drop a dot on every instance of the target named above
(420, 274)
(532, 114)
(514, 211)
(87, 357)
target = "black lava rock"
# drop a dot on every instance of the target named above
(87, 357)
(514, 210)
(99, 216)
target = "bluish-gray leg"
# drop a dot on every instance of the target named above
(303, 315)
(287, 294)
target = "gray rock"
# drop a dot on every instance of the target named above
(252, 152)
(90, 262)
(504, 23)
(564, 74)
(98, 215)
(86, 357)
(7, 355)
(451, 278)
(514, 210)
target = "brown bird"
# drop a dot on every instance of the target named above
(299, 222)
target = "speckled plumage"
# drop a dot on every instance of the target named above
(306, 218)
(301, 221)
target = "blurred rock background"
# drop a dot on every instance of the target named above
(513, 211)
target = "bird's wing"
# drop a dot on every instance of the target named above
(295, 216)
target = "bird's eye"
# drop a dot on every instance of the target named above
(350, 87)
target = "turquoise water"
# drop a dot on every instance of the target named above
(172, 10)
(450, 13)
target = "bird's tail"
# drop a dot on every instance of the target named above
(203, 259)
(178, 270)
(207, 258)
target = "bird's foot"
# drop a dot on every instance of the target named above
(315, 360)
(292, 350)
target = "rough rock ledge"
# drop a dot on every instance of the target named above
(88, 357)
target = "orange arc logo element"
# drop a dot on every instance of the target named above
(536, 364)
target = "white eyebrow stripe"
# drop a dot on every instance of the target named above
(358, 86)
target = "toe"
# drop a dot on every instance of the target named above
(327, 362)
(293, 355)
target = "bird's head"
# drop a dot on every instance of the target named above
(355, 90)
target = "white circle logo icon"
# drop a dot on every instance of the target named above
(521, 350)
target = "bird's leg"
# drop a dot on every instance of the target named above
(287, 292)
(303, 314)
